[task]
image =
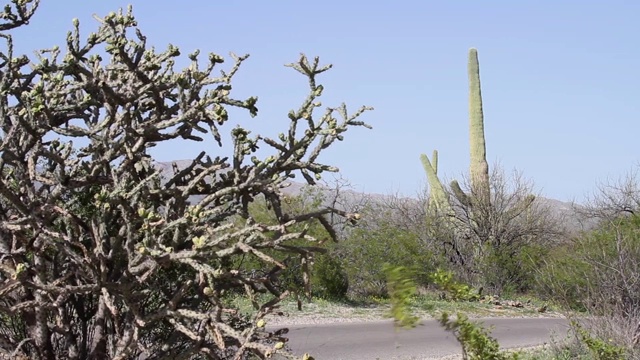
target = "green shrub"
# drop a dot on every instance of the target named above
(454, 290)
(402, 288)
(564, 279)
(600, 349)
(330, 281)
(597, 270)
(368, 248)
(509, 270)
(597, 273)
(476, 342)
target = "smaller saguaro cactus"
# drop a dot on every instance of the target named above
(438, 197)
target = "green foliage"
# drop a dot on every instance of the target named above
(599, 348)
(579, 344)
(291, 276)
(453, 289)
(367, 249)
(477, 344)
(402, 288)
(597, 273)
(512, 269)
(597, 270)
(564, 278)
(330, 280)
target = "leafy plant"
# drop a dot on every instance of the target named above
(402, 288)
(477, 344)
(454, 290)
(599, 348)
(329, 278)
(372, 244)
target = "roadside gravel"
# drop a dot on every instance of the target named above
(313, 313)
(335, 314)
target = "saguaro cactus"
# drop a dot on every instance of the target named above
(479, 168)
(438, 196)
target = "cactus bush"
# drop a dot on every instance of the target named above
(103, 255)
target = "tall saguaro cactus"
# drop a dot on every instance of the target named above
(479, 168)
(476, 235)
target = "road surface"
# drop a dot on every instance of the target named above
(379, 339)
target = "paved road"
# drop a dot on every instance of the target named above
(379, 340)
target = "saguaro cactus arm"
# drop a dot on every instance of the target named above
(438, 193)
(460, 195)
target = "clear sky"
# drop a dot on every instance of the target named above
(559, 78)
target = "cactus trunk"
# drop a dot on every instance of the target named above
(479, 168)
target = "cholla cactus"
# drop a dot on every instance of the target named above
(113, 259)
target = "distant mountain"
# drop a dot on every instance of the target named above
(350, 200)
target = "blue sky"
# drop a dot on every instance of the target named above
(559, 78)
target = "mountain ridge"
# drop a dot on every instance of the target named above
(566, 211)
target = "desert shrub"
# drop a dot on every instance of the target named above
(476, 341)
(329, 280)
(453, 290)
(495, 241)
(367, 249)
(583, 344)
(563, 278)
(599, 274)
(510, 270)
(599, 270)
(288, 273)
(599, 348)
(402, 288)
